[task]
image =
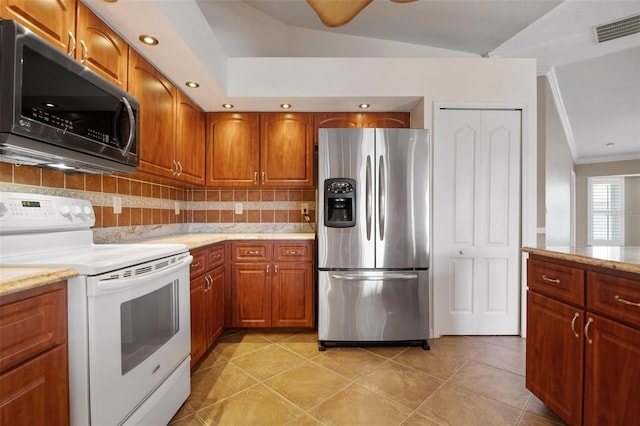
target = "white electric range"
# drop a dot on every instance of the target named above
(128, 310)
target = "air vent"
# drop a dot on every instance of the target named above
(616, 29)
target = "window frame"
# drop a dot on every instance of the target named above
(591, 181)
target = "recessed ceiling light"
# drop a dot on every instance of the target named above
(285, 106)
(147, 39)
(364, 106)
(227, 106)
(192, 84)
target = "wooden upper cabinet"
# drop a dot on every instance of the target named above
(386, 119)
(101, 48)
(233, 149)
(335, 120)
(286, 151)
(157, 98)
(189, 150)
(53, 20)
(357, 119)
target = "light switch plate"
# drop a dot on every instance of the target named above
(238, 208)
(176, 208)
(304, 208)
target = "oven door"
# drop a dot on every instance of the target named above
(139, 333)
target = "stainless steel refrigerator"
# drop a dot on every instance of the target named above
(373, 236)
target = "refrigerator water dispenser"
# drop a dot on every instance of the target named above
(339, 203)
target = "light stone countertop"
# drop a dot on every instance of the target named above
(13, 280)
(621, 258)
(194, 241)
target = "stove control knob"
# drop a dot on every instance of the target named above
(65, 210)
(3, 209)
(87, 210)
(77, 211)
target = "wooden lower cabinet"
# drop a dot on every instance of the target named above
(554, 355)
(292, 295)
(36, 392)
(583, 358)
(268, 292)
(34, 378)
(612, 373)
(207, 299)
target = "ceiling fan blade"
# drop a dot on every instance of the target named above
(334, 13)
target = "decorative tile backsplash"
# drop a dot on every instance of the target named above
(146, 203)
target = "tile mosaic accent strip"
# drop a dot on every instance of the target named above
(150, 208)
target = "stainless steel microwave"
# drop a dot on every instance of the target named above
(55, 112)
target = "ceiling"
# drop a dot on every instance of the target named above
(596, 86)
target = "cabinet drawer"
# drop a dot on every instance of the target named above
(199, 264)
(558, 281)
(216, 256)
(292, 251)
(250, 251)
(615, 297)
(31, 326)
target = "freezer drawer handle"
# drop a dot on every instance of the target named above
(375, 278)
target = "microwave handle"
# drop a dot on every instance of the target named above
(132, 125)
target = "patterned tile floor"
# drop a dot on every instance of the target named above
(262, 378)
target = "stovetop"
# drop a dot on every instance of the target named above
(46, 231)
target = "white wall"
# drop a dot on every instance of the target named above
(558, 167)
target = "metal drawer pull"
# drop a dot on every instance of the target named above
(195, 265)
(255, 178)
(293, 252)
(550, 280)
(217, 256)
(573, 325)
(267, 270)
(586, 330)
(626, 302)
(275, 269)
(251, 252)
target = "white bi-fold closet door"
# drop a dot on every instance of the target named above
(476, 221)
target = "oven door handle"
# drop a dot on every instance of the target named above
(109, 285)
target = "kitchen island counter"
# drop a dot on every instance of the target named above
(625, 258)
(13, 280)
(196, 240)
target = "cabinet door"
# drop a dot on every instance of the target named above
(251, 295)
(198, 318)
(190, 141)
(103, 51)
(554, 363)
(335, 120)
(612, 373)
(233, 149)
(53, 20)
(157, 115)
(215, 298)
(387, 119)
(36, 392)
(292, 295)
(286, 149)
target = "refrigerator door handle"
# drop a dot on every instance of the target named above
(369, 196)
(385, 277)
(382, 190)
